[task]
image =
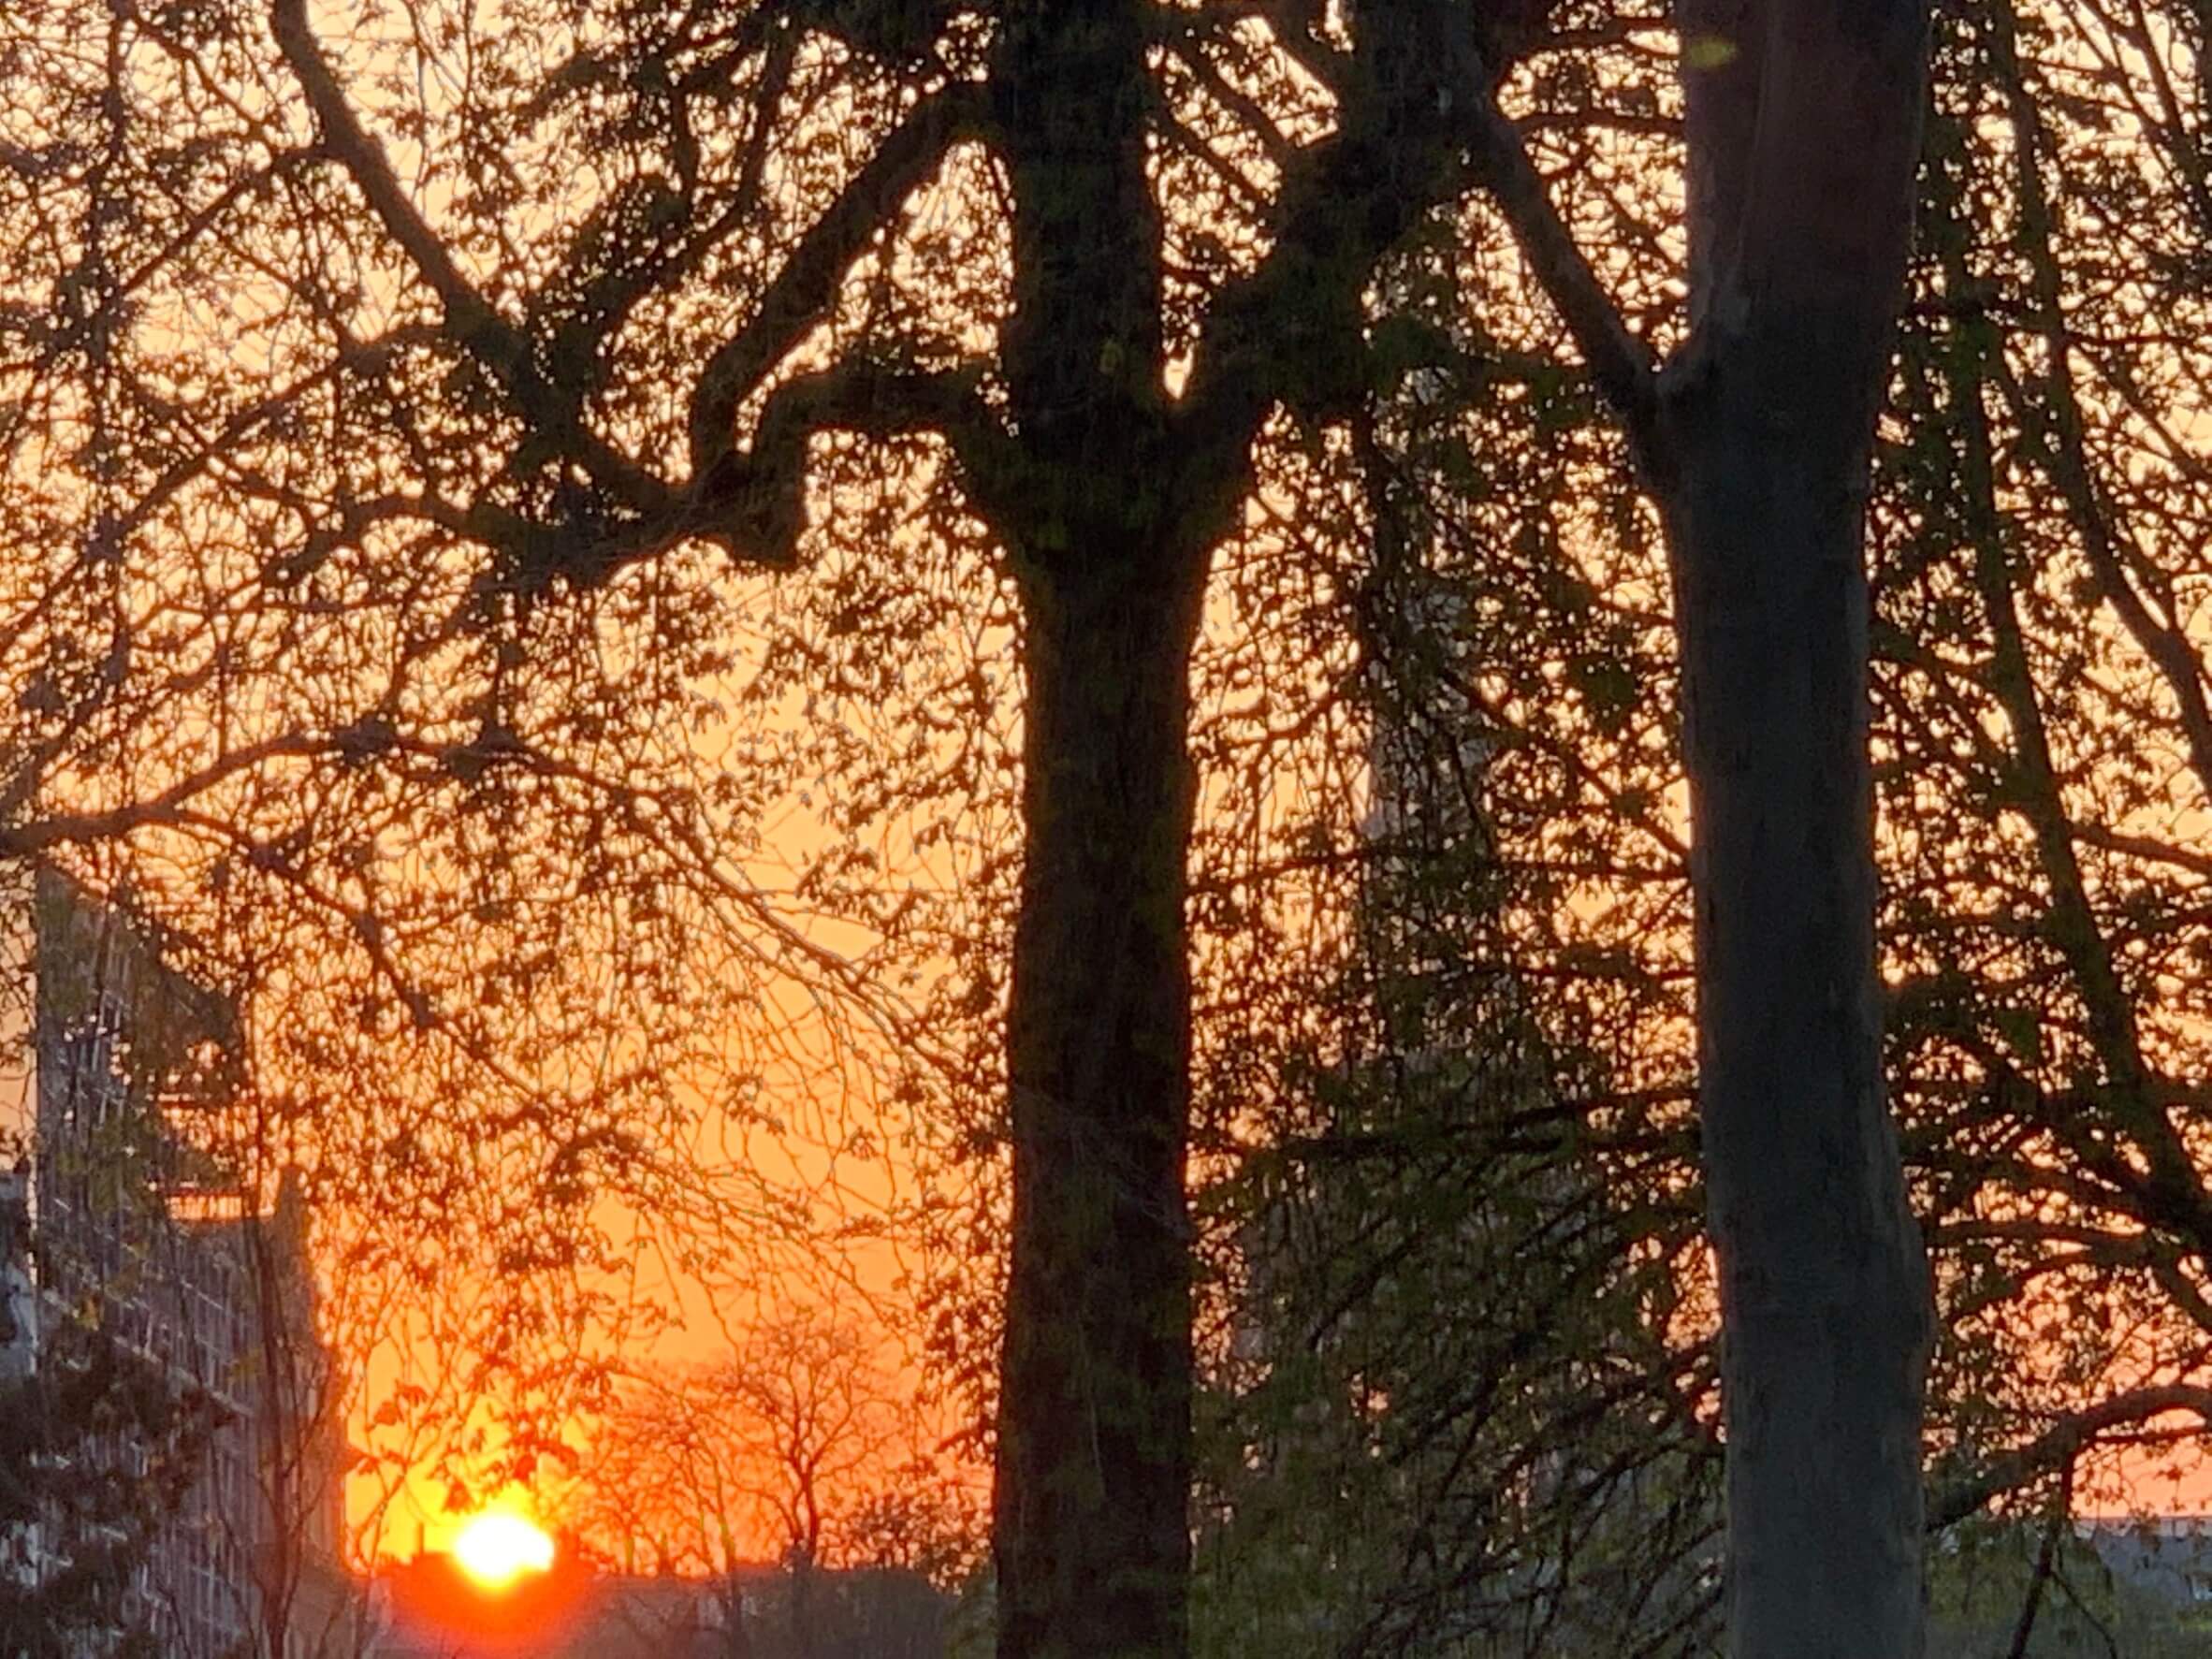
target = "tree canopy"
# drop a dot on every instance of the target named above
(567, 550)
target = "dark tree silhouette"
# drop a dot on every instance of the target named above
(507, 360)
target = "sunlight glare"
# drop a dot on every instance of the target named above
(496, 1550)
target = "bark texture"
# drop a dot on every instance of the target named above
(1094, 1465)
(1110, 500)
(1803, 133)
(1090, 1531)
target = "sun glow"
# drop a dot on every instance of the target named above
(496, 1550)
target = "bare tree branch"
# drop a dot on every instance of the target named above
(806, 286)
(2059, 1445)
(1620, 362)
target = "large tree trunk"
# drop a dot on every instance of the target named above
(1803, 134)
(1824, 1287)
(1091, 1530)
(1090, 1522)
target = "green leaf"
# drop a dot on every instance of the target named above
(1709, 52)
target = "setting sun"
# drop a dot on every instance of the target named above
(496, 1550)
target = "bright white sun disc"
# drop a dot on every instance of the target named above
(497, 1549)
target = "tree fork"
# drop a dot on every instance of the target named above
(1803, 122)
(1090, 1531)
